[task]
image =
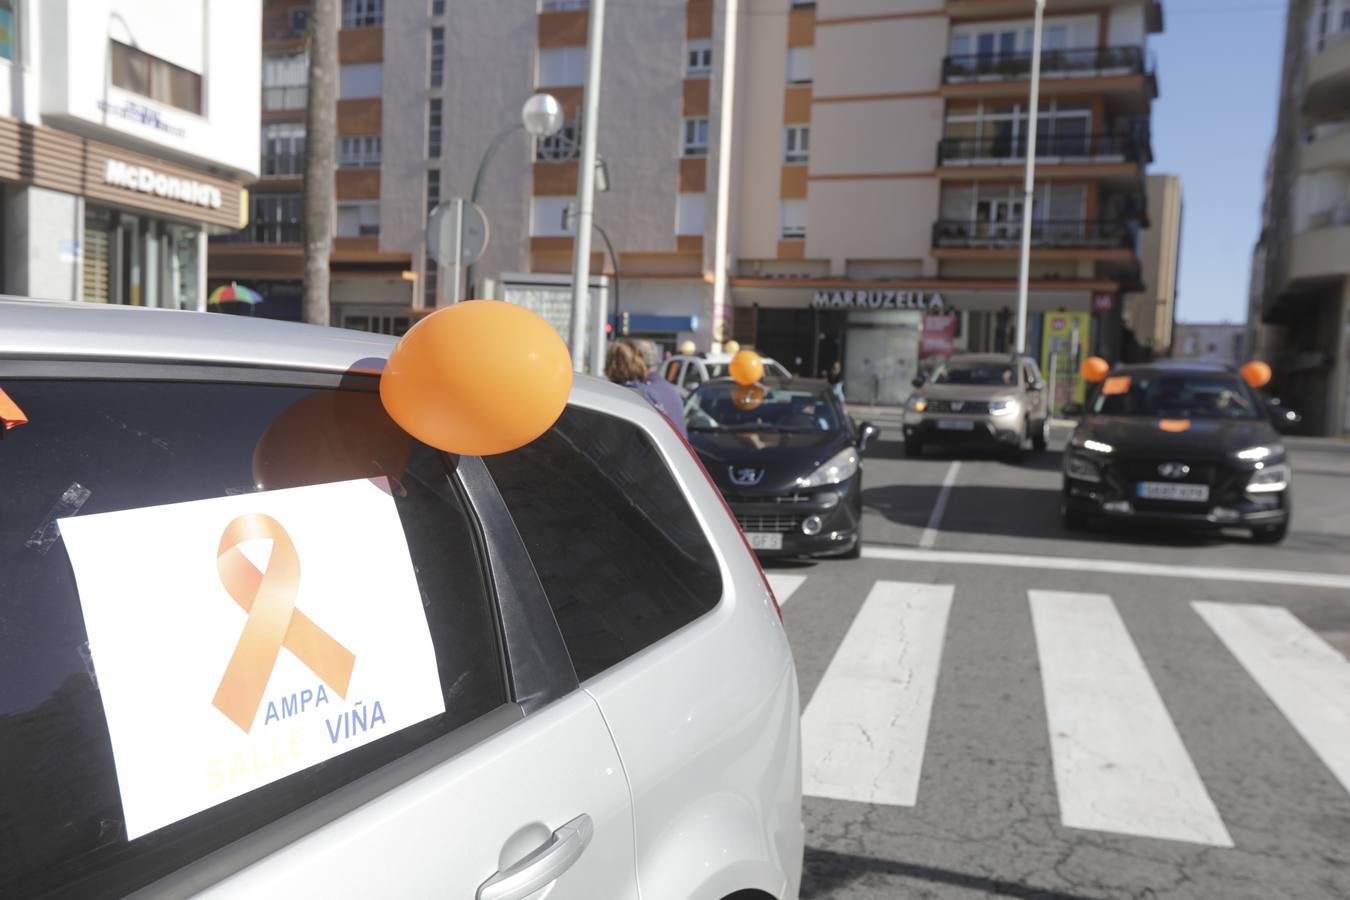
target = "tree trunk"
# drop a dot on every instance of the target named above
(320, 157)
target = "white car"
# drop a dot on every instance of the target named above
(688, 372)
(619, 700)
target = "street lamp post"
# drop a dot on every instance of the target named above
(1029, 185)
(541, 116)
(581, 247)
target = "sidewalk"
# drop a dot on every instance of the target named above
(1322, 444)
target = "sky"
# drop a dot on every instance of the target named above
(1218, 91)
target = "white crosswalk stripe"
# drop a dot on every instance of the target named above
(784, 585)
(1306, 678)
(864, 732)
(1120, 765)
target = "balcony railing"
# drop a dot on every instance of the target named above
(262, 232)
(1056, 234)
(1086, 61)
(1049, 148)
(283, 164)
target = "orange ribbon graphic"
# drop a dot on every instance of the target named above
(273, 621)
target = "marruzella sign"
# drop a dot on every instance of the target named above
(146, 180)
(923, 301)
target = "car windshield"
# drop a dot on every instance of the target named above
(726, 406)
(1179, 396)
(977, 373)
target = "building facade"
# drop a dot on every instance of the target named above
(127, 133)
(1221, 342)
(1150, 314)
(1300, 302)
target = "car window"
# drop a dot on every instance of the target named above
(725, 406)
(1177, 396)
(971, 372)
(673, 371)
(615, 543)
(102, 446)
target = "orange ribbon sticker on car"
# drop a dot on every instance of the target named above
(1116, 384)
(1175, 426)
(273, 621)
(10, 414)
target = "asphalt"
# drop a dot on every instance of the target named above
(988, 820)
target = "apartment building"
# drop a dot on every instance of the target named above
(128, 129)
(1150, 314)
(1301, 265)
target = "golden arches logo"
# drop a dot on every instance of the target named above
(273, 621)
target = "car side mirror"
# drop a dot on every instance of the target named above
(867, 432)
(1037, 385)
(918, 381)
(1072, 411)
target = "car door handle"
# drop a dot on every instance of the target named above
(543, 866)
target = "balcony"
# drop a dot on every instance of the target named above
(282, 165)
(1328, 91)
(1085, 62)
(264, 232)
(1052, 234)
(1322, 248)
(1080, 149)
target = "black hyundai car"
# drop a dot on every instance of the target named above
(1179, 442)
(786, 457)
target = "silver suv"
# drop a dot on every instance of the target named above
(987, 399)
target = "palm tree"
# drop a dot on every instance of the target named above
(320, 157)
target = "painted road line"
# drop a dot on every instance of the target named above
(1306, 678)
(1119, 763)
(864, 731)
(1108, 566)
(930, 533)
(784, 585)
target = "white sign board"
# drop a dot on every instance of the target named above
(242, 639)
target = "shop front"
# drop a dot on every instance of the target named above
(885, 336)
(85, 220)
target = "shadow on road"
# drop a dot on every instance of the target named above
(826, 871)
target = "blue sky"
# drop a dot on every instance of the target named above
(1219, 82)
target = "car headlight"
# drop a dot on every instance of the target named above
(1269, 479)
(916, 403)
(1082, 469)
(1002, 407)
(1264, 451)
(1083, 442)
(840, 467)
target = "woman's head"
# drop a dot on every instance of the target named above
(624, 363)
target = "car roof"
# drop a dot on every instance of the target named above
(987, 358)
(1175, 367)
(777, 381)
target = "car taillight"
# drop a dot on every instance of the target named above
(730, 515)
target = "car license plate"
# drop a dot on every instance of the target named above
(1185, 493)
(764, 540)
(956, 425)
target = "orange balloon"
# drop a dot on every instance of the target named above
(746, 367)
(1094, 369)
(1256, 374)
(747, 396)
(478, 378)
(330, 436)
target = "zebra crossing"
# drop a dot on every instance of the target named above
(1119, 762)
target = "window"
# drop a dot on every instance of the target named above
(283, 81)
(139, 72)
(437, 56)
(563, 5)
(62, 812)
(564, 145)
(792, 219)
(362, 13)
(299, 17)
(796, 144)
(360, 80)
(689, 214)
(276, 218)
(283, 148)
(645, 568)
(698, 57)
(433, 189)
(546, 216)
(438, 7)
(799, 65)
(378, 323)
(359, 151)
(695, 141)
(562, 67)
(9, 36)
(358, 219)
(434, 128)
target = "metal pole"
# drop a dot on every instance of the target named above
(457, 265)
(488, 154)
(723, 201)
(581, 256)
(1029, 186)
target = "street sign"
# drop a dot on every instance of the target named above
(442, 236)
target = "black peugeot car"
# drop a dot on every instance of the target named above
(786, 457)
(1179, 442)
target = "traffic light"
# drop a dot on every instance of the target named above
(624, 323)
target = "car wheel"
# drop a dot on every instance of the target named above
(1271, 534)
(1039, 436)
(913, 447)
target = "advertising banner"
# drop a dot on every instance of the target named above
(939, 336)
(1065, 344)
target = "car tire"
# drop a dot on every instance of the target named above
(1038, 437)
(1270, 534)
(913, 447)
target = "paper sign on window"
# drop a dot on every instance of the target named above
(242, 639)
